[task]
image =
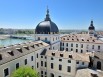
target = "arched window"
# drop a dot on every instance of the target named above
(51, 75)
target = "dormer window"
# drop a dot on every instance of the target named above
(87, 40)
(61, 55)
(19, 49)
(37, 45)
(93, 40)
(0, 56)
(26, 47)
(53, 54)
(77, 39)
(11, 53)
(63, 38)
(70, 56)
(32, 46)
(82, 39)
(41, 43)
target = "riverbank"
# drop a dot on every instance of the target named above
(2, 37)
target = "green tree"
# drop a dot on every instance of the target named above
(25, 71)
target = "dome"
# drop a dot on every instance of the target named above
(46, 26)
(91, 27)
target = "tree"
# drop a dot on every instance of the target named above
(25, 71)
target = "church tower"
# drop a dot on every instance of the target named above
(48, 32)
(91, 29)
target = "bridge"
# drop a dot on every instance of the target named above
(21, 37)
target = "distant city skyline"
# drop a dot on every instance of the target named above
(67, 14)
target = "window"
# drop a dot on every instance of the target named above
(53, 39)
(25, 61)
(59, 76)
(37, 64)
(63, 44)
(77, 62)
(17, 65)
(45, 64)
(81, 51)
(81, 45)
(0, 56)
(60, 67)
(67, 44)
(92, 46)
(38, 38)
(68, 69)
(71, 49)
(69, 61)
(45, 39)
(45, 73)
(60, 59)
(71, 45)
(70, 56)
(41, 75)
(6, 72)
(53, 54)
(32, 67)
(66, 49)
(61, 55)
(41, 56)
(41, 63)
(52, 66)
(41, 72)
(45, 57)
(76, 50)
(98, 47)
(32, 58)
(52, 58)
(82, 63)
(37, 55)
(76, 45)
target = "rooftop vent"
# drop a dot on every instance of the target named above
(70, 56)
(0, 56)
(53, 53)
(11, 53)
(61, 55)
(19, 49)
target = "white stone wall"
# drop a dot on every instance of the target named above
(64, 64)
(12, 64)
(87, 47)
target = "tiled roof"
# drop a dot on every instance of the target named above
(83, 38)
(15, 51)
(71, 55)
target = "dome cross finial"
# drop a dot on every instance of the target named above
(47, 10)
(47, 15)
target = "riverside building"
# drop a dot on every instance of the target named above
(50, 54)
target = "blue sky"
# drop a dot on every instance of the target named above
(67, 14)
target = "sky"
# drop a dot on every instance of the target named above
(67, 14)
